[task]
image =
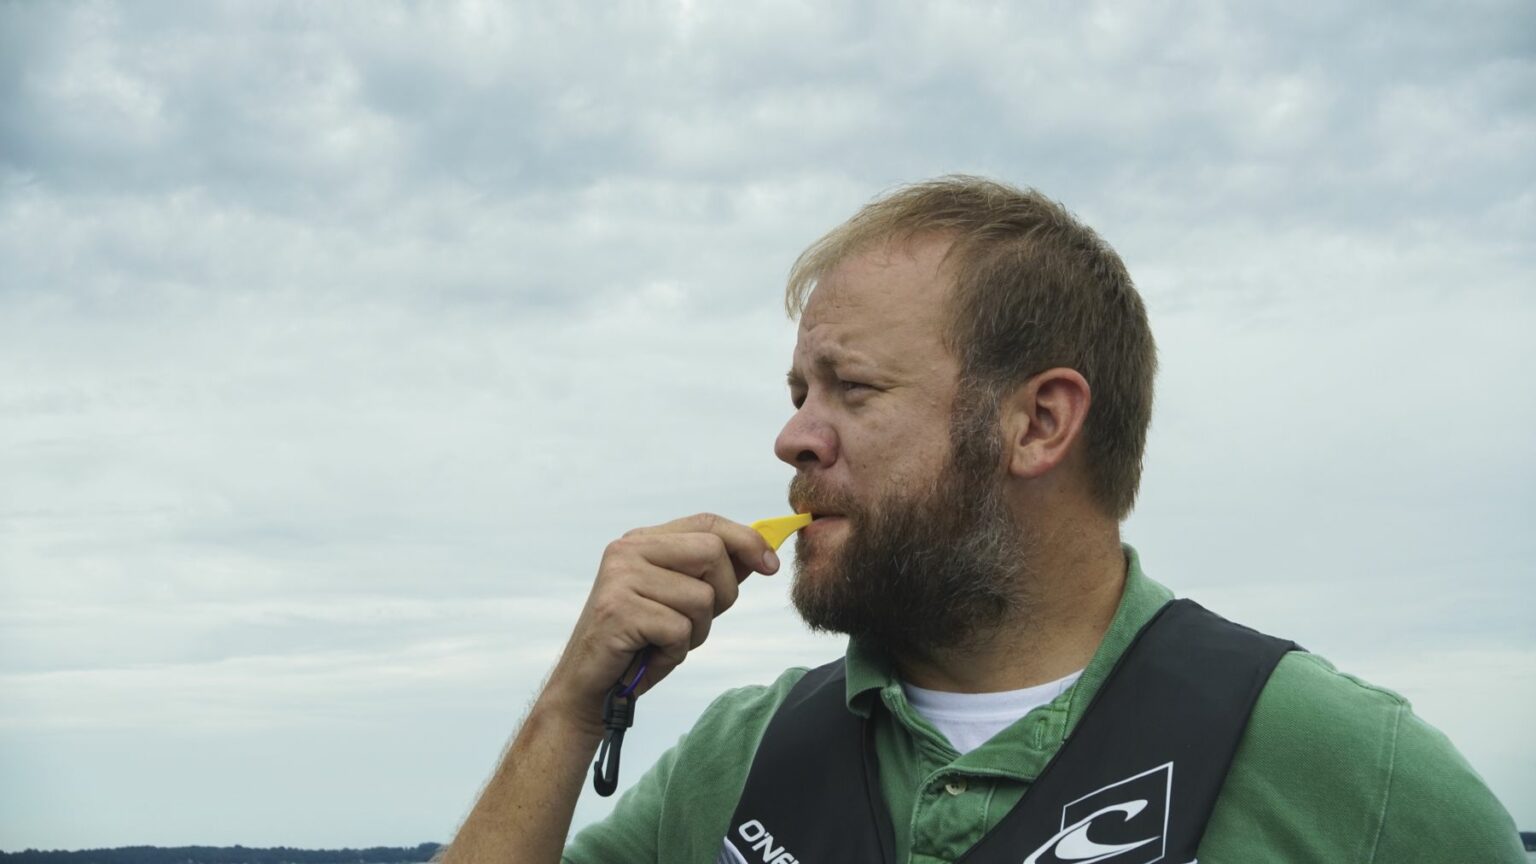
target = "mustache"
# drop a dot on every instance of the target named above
(810, 495)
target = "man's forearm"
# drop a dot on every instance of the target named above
(525, 810)
(657, 589)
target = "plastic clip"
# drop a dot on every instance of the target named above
(618, 716)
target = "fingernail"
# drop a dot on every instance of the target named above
(770, 561)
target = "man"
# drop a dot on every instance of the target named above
(973, 384)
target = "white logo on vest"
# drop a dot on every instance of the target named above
(1129, 820)
(759, 841)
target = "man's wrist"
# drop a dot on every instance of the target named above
(580, 718)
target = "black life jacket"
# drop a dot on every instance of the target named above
(1134, 783)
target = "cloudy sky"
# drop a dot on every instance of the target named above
(336, 340)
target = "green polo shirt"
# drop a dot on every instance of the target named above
(1330, 770)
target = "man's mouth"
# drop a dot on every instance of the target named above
(823, 519)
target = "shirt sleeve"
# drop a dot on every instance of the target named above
(630, 832)
(1437, 808)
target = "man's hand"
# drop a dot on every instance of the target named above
(660, 587)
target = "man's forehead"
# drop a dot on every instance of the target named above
(881, 307)
(910, 270)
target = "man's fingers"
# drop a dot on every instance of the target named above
(670, 633)
(747, 548)
(694, 598)
(701, 556)
(724, 583)
(664, 628)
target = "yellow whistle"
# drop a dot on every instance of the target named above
(778, 529)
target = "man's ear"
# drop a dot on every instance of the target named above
(1043, 420)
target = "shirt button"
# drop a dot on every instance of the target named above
(955, 786)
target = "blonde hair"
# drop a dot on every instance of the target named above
(1035, 289)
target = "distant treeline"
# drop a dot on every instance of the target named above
(225, 855)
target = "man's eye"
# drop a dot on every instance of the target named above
(849, 386)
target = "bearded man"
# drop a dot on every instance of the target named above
(972, 384)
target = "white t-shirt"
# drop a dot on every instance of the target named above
(968, 720)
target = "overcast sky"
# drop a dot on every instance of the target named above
(336, 340)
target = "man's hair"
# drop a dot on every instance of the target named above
(1035, 289)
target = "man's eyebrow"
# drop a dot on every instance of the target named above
(824, 363)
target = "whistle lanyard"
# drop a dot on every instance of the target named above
(618, 716)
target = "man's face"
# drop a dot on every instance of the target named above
(915, 545)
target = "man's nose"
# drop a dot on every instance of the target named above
(806, 442)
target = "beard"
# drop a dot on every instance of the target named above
(919, 572)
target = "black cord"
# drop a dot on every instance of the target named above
(618, 715)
